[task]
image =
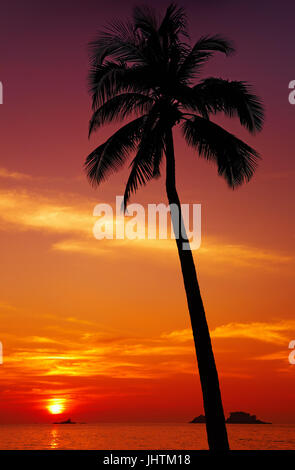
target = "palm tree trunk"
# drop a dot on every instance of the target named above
(215, 422)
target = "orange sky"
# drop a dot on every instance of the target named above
(102, 327)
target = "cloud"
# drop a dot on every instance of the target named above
(179, 335)
(32, 211)
(148, 350)
(41, 339)
(71, 216)
(83, 247)
(242, 255)
(275, 356)
(276, 333)
(14, 175)
(63, 357)
(88, 354)
(272, 332)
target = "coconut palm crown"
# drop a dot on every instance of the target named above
(147, 69)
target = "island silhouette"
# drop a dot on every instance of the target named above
(235, 417)
(67, 421)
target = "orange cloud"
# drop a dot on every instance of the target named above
(14, 175)
(272, 332)
(30, 211)
(276, 333)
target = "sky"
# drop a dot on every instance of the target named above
(99, 330)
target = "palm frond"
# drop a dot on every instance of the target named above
(110, 79)
(190, 100)
(112, 154)
(145, 20)
(174, 22)
(118, 41)
(146, 164)
(236, 161)
(200, 53)
(215, 43)
(141, 173)
(234, 98)
(103, 80)
(118, 108)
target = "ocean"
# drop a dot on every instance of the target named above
(162, 436)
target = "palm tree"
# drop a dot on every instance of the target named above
(145, 70)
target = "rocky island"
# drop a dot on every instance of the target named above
(199, 419)
(67, 421)
(240, 417)
(235, 417)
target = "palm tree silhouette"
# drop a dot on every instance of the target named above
(146, 68)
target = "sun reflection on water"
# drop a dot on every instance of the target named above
(54, 438)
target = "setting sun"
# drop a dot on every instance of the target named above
(56, 406)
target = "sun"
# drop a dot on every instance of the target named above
(55, 409)
(56, 406)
